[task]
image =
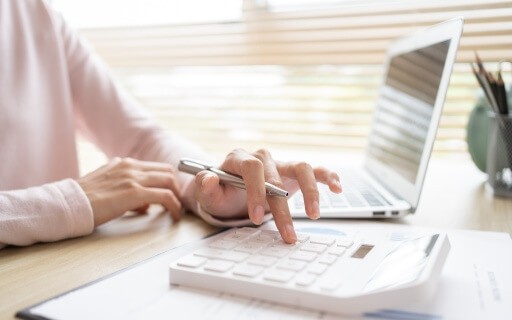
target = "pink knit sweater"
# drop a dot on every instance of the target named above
(51, 88)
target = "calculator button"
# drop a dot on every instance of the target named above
(318, 248)
(265, 240)
(262, 261)
(223, 244)
(305, 279)
(347, 243)
(301, 237)
(270, 233)
(303, 256)
(329, 284)
(249, 247)
(317, 269)
(292, 265)
(191, 262)
(338, 251)
(284, 245)
(221, 254)
(278, 275)
(322, 240)
(327, 259)
(218, 265)
(274, 252)
(235, 236)
(248, 271)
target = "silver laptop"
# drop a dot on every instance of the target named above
(404, 127)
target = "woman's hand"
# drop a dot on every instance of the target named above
(225, 201)
(129, 184)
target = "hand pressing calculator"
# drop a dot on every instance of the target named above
(338, 274)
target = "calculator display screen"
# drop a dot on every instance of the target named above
(362, 251)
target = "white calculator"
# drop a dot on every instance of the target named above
(347, 274)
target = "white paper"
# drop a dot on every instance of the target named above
(476, 283)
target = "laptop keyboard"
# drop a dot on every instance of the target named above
(356, 193)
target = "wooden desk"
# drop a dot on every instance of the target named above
(32, 274)
(453, 197)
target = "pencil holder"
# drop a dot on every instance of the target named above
(499, 155)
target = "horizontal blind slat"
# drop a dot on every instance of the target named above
(312, 38)
(288, 101)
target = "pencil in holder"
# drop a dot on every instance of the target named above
(499, 155)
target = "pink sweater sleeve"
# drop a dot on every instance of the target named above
(49, 212)
(39, 201)
(111, 119)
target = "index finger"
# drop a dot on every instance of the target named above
(278, 205)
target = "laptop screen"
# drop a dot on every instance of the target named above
(405, 107)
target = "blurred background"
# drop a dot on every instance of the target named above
(298, 75)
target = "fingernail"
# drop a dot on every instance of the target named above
(290, 233)
(337, 183)
(258, 214)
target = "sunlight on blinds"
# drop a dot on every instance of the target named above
(294, 107)
(130, 13)
(293, 79)
(259, 106)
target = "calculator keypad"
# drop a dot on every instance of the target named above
(262, 255)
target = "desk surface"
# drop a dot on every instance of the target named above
(453, 197)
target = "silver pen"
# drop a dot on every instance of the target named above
(194, 167)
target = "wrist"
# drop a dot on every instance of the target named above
(226, 222)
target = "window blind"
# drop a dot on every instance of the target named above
(299, 79)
